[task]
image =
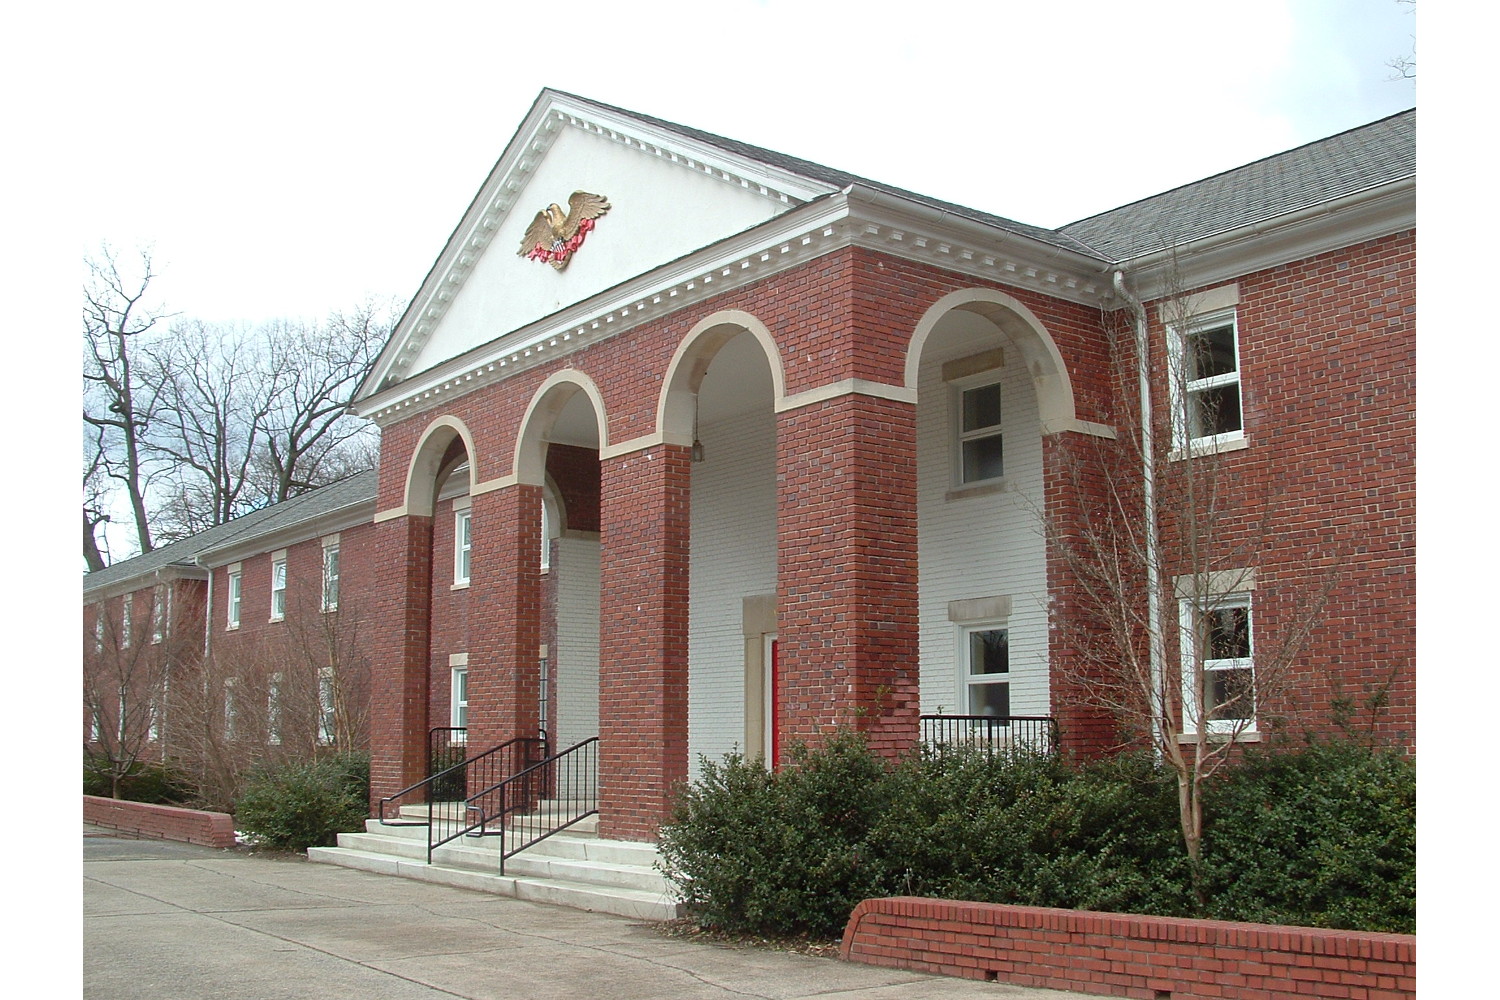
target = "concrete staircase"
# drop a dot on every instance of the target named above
(571, 868)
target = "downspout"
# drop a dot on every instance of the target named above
(1157, 636)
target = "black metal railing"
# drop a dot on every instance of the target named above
(481, 770)
(533, 804)
(1036, 733)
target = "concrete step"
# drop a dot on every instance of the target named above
(571, 868)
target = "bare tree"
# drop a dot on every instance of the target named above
(128, 668)
(214, 399)
(294, 695)
(311, 438)
(210, 422)
(118, 404)
(1165, 553)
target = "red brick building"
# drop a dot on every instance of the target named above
(763, 448)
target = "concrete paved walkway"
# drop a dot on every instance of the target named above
(166, 921)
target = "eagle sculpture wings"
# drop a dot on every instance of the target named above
(553, 236)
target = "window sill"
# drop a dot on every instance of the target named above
(984, 489)
(232, 627)
(277, 618)
(1248, 736)
(460, 585)
(1198, 449)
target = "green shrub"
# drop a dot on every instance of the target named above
(1015, 827)
(144, 781)
(306, 803)
(784, 852)
(1323, 836)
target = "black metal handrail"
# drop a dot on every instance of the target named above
(1037, 733)
(482, 770)
(534, 803)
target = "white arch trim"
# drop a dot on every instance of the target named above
(528, 463)
(674, 408)
(420, 492)
(1044, 362)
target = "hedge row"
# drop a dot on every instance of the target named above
(1319, 836)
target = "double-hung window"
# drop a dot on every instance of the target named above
(233, 600)
(1218, 661)
(161, 611)
(986, 656)
(331, 577)
(278, 587)
(125, 621)
(462, 544)
(458, 716)
(981, 442)
(99, 613)
(1206, 381)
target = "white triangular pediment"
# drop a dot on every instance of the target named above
(670, 194)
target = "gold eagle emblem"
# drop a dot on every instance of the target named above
(554, 237)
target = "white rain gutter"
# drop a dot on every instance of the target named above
(1156, 635)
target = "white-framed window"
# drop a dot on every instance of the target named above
(96, 725)
(462, 545)
(153, 717)
(327, 709)
(125, 603)
(985, 654)
(980, 435)
(99, 612)
(278, 587)
(549, 520)
(273, 709)
(1205, 372)
(233, 600)
(458, 695)
(1218, 649)
(331, 577)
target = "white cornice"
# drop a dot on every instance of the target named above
(853, 217)
(145, 578)
(904, 229)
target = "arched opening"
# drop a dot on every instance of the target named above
(721, 395)
(559, 451)
(990, 383)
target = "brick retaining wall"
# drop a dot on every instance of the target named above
(1125, 955)
(193, 826)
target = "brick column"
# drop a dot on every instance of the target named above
(504, 615)
(401, 557)
(846, 540)
(643, 621)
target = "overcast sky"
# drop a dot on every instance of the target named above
(285, 160)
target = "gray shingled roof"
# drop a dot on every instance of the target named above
(1319, 172)
(305, 507)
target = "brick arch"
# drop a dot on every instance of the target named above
(529, 463)
(436, 451)
(675, 407)
(1049, 373)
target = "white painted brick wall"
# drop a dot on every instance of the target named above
(733, 556)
